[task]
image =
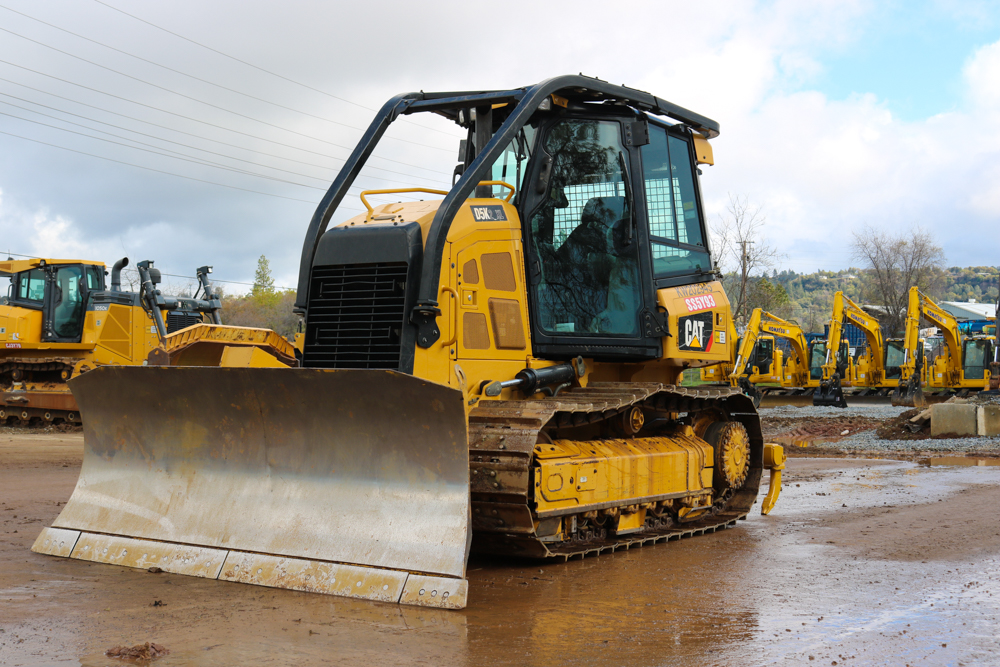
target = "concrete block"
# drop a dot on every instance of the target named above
(988, 420)
(957, 418)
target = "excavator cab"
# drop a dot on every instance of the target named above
(977, 353)
(763, 356)
(817, 355)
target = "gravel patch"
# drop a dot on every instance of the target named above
(874, 411)
(869, 441)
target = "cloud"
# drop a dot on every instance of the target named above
(820, 166)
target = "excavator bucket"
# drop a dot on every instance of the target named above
(347, 482)
(830, 393)
(909, 394)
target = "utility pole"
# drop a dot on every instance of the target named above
(744, 275)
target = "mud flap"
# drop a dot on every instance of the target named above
(348, 482)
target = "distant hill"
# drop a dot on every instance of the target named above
(811, 294)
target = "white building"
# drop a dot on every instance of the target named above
(970, 310)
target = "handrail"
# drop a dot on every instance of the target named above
(502, 184)
(389, 191)
(454, 295)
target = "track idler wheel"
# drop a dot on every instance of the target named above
(732, 454)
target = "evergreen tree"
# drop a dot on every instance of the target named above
(263, 282)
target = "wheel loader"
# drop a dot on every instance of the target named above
(493, 370)
(60, 320)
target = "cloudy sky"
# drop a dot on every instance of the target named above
(206, 132)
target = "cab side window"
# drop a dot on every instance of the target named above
(675, 228)
(31, 285)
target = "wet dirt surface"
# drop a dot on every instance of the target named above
(862, 562)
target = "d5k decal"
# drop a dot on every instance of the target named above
(695, 332)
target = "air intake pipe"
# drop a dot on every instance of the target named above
(116, 274)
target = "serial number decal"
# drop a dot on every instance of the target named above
(696, 303)
(694, 290)
(695, 332)
(13, 346)
(489, 213)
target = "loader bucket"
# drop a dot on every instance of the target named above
(348, 482)
(830, 393)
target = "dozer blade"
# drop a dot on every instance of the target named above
(347, 482)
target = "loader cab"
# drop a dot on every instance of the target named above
(610, 213)
(61, 292)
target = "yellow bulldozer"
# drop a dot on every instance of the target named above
(497, 370)
(60, 320)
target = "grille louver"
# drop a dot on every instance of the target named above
(182, 320)
(356, 316)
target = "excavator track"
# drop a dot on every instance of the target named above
(502, 440)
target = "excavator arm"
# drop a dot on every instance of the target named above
(948, 325)
(745, 352)
(909, 392)
(762, 321)
(830, 391)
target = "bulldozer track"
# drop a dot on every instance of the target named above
(502, 439)
(21, 407)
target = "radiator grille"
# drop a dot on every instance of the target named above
(182, 320)
(356, 316)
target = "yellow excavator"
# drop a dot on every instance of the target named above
(496, 370)
(879, 367)
(60, 320)
(964, 364)
(764, 366)
(800, 369)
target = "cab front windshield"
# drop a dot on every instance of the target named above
(817, 357)
(895, 356)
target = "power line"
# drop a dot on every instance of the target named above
(200, 160)
(213, 279)
(219, 280)
(141, 143)
(169, 173)
(191, 76)
(261, 69)
(198, 136)
(209, 104)
(178, 156)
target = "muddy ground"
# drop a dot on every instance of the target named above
(862, 562)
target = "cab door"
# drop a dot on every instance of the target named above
(65, 304)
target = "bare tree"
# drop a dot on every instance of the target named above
(742, 251)
(893, 264)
